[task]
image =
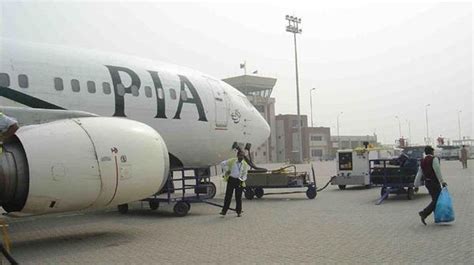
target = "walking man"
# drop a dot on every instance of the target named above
(463, 157)
(430, 172)
(235, 174)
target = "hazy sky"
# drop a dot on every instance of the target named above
(371, 61)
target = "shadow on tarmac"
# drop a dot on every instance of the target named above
(79, 242)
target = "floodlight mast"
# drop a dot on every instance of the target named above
(293, 27)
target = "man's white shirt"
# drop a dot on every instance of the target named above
(235, 171)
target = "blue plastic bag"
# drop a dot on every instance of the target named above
(444, 211)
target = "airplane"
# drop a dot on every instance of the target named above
(100, 129)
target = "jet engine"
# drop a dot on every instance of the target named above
(81, 163)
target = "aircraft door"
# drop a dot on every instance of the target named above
(221, 103)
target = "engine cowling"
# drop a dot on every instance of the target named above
(82, 163)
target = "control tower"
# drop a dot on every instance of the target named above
(258, 90)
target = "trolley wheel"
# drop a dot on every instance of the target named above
(211, 190)
(123, 208)
(154, 204)
(249, 193)
(342, 187)
(311, 193)
(181, 208)
(410, 193)
(382, 191)
(259, 192)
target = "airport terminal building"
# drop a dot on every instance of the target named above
(281, 146)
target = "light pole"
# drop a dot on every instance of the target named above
(427, 141)
(399, 127)
(409, 130)
(293, 27)
(311, 103)
(338, 137)
(459, 124)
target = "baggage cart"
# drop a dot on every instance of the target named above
(285, 177)
(394, 178)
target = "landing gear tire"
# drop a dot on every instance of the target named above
(410, 193)
(342, 187)
(249, 193)
(181, 209)
(259, 192)
(154, 205)
(123, 208)
(311, 193)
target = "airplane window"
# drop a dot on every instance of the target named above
(184, 95)
(106, 88)
(91, 86)
(172, 93)
(120, 90)
(160, 93)
(135, 91)
(58, 84)
(75, 85)
(148, 92)
(23, 81)
(4, 79)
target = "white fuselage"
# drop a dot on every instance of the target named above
(190, 110)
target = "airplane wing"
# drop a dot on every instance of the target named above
(30, 116)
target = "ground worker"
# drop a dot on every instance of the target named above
(8, 127)
(430, 172)
(235, 174)
(463, 157)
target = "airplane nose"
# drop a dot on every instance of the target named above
(263, 129)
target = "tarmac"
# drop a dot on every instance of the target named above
(337, 227)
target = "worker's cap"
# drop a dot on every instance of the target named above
(429, 149)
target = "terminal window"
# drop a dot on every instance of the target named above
(316, 152)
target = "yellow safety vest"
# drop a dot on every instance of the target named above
(230, 164)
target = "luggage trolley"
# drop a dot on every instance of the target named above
(395, 178)
(183, 187)
(257, 181)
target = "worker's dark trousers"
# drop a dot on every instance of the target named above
(434, 188)
(233, 184)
